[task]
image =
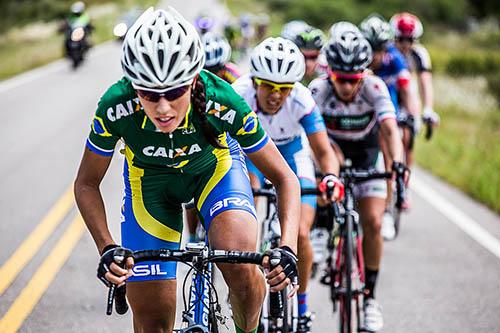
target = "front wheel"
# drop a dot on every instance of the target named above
(346, 295)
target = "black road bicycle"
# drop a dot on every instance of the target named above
(344, 272)
(202, 313)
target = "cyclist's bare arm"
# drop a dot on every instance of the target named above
(410, 101)
(426, 89)
(270, 162)
(390, 134)
(323, 152)
(88, 197)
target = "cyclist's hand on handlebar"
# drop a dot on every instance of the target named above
(430, 116)
(115, 265)
(400, 170)
(331, 187)
(282, 265)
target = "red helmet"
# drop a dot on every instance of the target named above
(406, 25)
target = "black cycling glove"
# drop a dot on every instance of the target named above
(107, 258)
(284, 257)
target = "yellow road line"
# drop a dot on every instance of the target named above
(42, 278)
(35, 240)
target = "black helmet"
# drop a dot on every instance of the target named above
(309, 39)
(347, 50)
(377, 31)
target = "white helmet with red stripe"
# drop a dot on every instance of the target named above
(406, 25)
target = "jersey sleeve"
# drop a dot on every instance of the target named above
(382, 102)
(230, 113)
(102, 137)
(311, 121)
(422, 59)
(401, 70)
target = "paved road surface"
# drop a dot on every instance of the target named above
(435, 276)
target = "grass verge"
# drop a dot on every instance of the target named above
(465, 151)
(22, 49)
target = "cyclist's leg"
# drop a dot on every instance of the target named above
(224, 200)
(191, 220)
(371, 205)
(148, 222)
(406, 144)
(301, 164)
(237, 230)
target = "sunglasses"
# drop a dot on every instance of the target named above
(282, 88)
(352, 79)
(407, 39)
(170, 95)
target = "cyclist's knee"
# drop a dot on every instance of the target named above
(372, 224)
(242, 278)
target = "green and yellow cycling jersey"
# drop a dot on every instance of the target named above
(120, 116)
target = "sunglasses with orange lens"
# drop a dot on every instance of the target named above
(282, 88)
(352, 79)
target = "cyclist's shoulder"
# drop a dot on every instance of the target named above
(302, 97)
(216, 89)
(421, 54)
(243, 85)
(397, 59)
(233, 69)
(119, 101)
(319, 87)
(373, 86)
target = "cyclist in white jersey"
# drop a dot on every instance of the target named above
(291, 118)
(355, 107)
(408, 29)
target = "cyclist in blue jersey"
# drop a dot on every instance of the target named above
(289, 115)
(390, 65)
(184, 131)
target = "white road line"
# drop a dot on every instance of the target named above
(455, 215)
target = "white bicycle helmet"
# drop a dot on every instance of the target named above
(217, 50)
(78, 8)
(161, 51)
(277, 60)
(339, 27)
(291, 29)
(347, 50)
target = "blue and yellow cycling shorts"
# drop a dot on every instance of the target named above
(152, 204)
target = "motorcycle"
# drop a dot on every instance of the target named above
(76, 44)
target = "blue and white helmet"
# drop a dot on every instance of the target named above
(277, 60)
(217, 50)
(162, 50)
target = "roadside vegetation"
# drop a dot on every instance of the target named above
(465, 149)
(27, 43)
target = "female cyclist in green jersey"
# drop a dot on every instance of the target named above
(182, 128)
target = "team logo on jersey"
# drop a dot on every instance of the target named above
(250, 124)
(99, 128)
(120, 110)
(153, 151)
(221, 111)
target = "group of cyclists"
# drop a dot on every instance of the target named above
(196, 131)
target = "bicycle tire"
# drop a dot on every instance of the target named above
(346, 296)
(273, 324)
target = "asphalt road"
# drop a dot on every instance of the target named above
(436, 277)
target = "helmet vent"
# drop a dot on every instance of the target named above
(173, 60)
(280, 63)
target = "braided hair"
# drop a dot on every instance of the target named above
(198, 99)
